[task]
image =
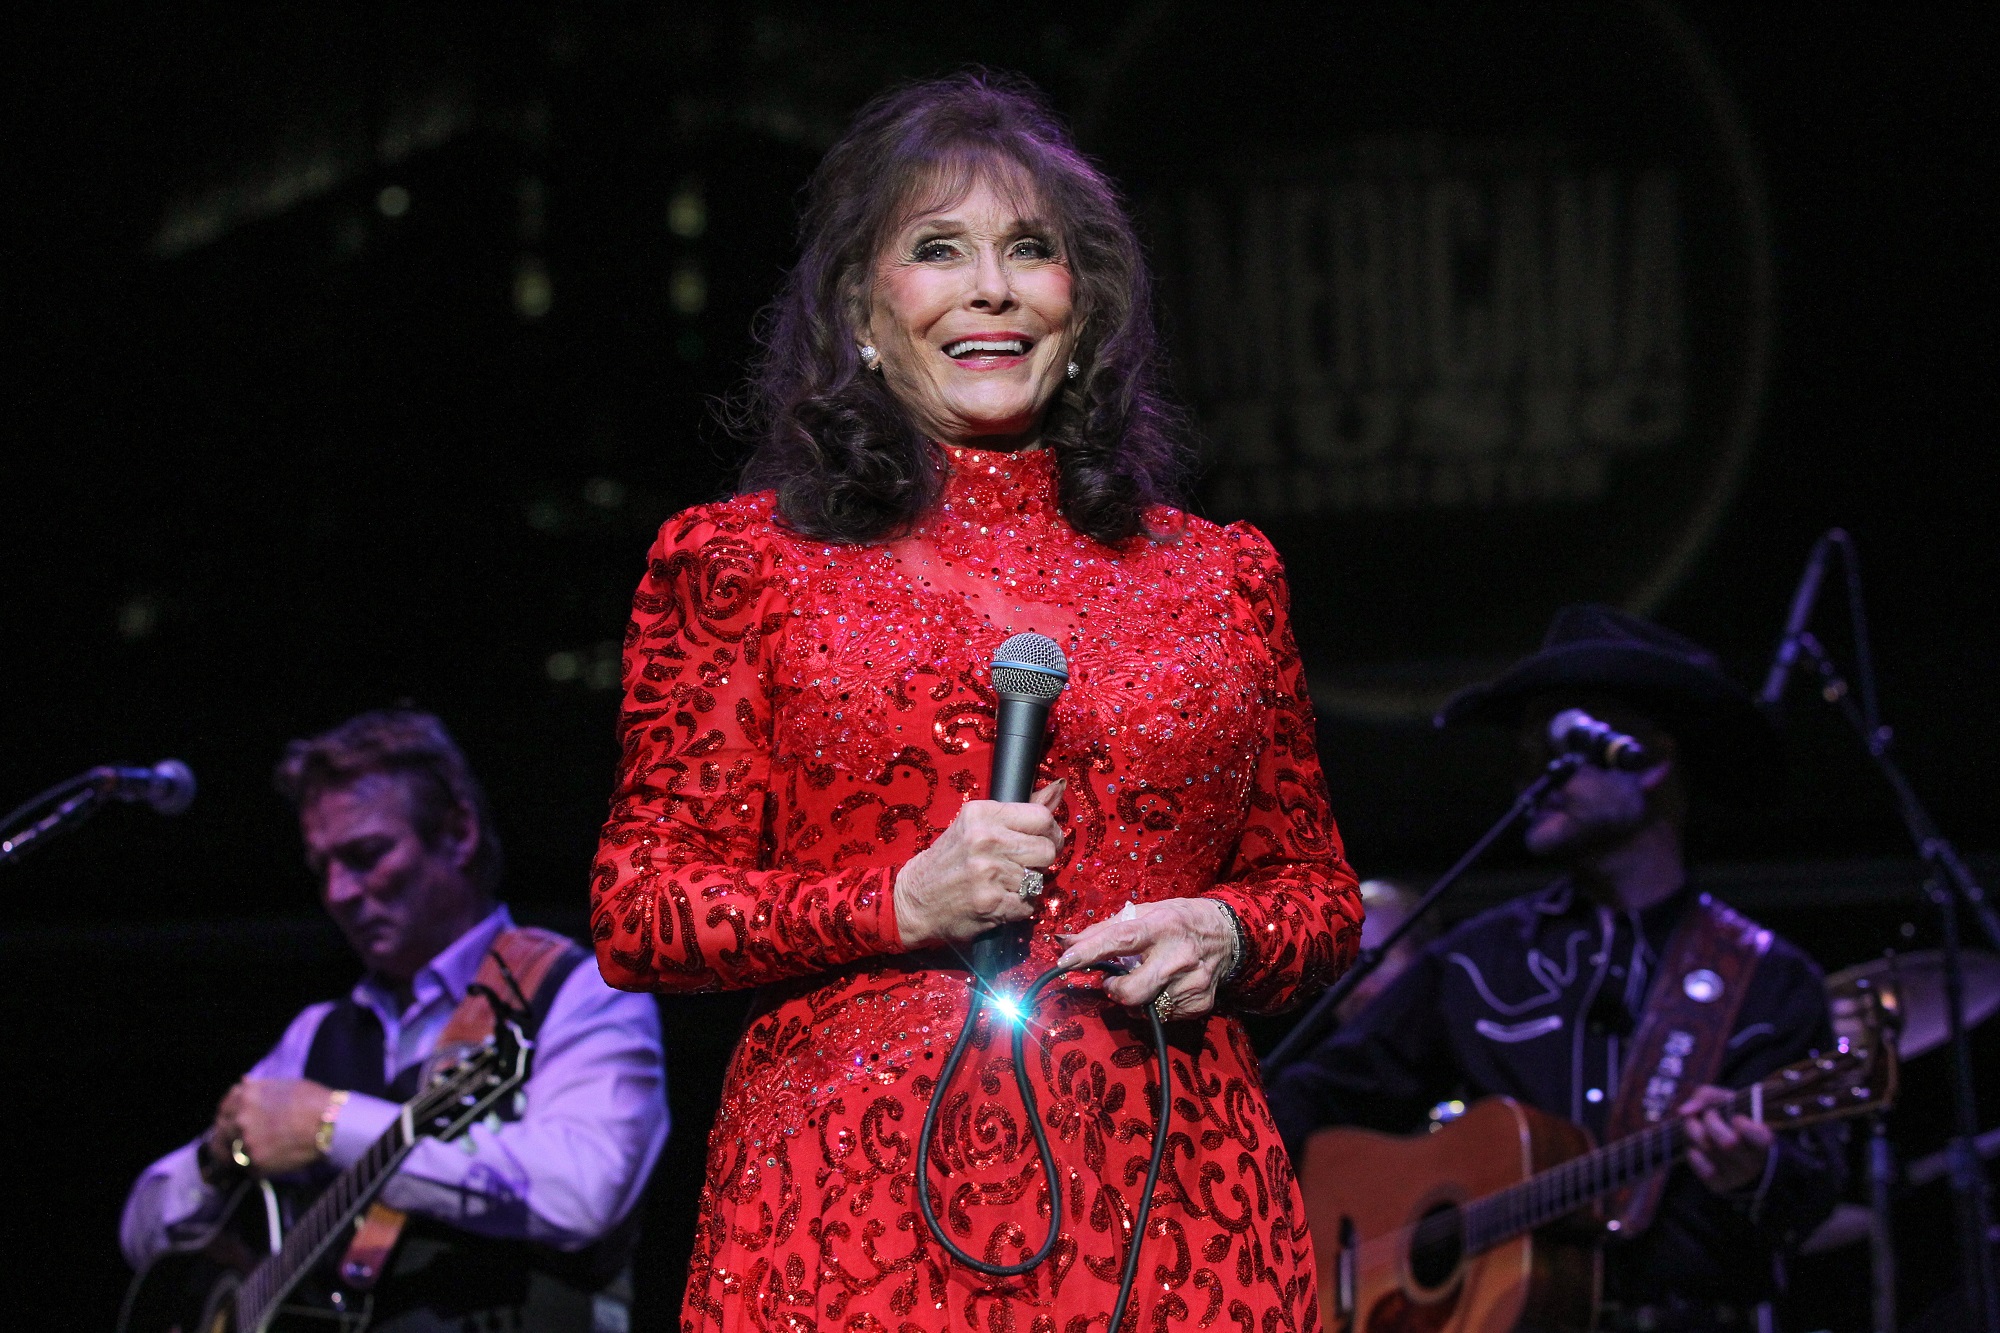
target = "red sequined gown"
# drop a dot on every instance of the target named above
(800, 719)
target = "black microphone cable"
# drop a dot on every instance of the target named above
(1024, 1007)
(1029, 671)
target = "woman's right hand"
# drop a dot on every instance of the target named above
(969, 880)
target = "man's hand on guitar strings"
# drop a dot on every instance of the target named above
(1730, 1154)
(275, 1119)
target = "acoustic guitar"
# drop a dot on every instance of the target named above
(250, 1272)
(1486, 1226)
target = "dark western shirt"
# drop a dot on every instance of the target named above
(1537, 1000)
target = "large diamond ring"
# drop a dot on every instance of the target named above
(1163, 1006)
(1031, 884)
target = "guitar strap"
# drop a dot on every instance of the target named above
(1691, 1009)
(525, 956)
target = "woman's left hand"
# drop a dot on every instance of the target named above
(1184, 946)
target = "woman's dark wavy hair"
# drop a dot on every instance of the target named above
(846, 460)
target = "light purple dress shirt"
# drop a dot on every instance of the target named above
(563, 1175)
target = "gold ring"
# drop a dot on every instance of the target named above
(237, 1155)
(1163, 1007)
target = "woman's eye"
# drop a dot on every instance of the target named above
(933, 250)
(1033, 249)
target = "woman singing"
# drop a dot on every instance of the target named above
(958, 438)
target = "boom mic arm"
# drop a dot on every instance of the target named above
(1803, 600)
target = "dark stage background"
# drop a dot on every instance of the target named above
(358, 350)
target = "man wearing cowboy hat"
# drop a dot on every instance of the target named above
(1539, 998)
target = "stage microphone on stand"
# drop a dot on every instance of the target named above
(1803, 601)
(167, 786)
(1574, 731)
(1028, 673)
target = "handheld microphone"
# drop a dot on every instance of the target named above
(1574, 731)
(167, 786)
(1803, 601)
(1028, 673)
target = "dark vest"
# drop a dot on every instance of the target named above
(441, 1279)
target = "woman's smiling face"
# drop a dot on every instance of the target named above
(969, 311)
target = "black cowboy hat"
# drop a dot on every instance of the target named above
(1730, 748)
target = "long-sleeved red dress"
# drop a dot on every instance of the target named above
(801, 718)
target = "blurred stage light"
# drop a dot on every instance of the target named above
(393, 201)
(689, 289)
(687, 211)
(533, 292)
(595, 668)
(604, 492)
(138, 618)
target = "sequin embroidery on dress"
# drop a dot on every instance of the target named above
(803, 717)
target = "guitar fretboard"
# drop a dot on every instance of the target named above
(309, 1236)
(1563, 1189)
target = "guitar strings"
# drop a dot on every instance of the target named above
(1555, 1192)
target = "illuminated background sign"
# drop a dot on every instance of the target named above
(1472, 306)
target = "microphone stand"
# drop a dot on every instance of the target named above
(1949, 883)
(1322, 1017)
(84, 798)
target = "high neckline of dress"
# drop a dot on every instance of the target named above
(999, 480)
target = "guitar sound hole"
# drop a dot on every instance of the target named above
(1437, 1246)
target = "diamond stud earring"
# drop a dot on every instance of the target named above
(1072, 371)
(869, 356)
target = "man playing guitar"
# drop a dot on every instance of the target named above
(522, 1222)
(1543, 999)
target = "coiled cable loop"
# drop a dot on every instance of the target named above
(980, 994)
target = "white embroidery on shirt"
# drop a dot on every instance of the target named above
(1555, 980)
(1754, 1030)
(1513, 1032)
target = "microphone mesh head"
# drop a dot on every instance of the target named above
(172, 788)
(1568, 721)
(1030, 666)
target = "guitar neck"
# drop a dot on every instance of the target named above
(336, 1207)
(473, 1082)
(1563, 1189)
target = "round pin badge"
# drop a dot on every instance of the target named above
(1702, 985)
